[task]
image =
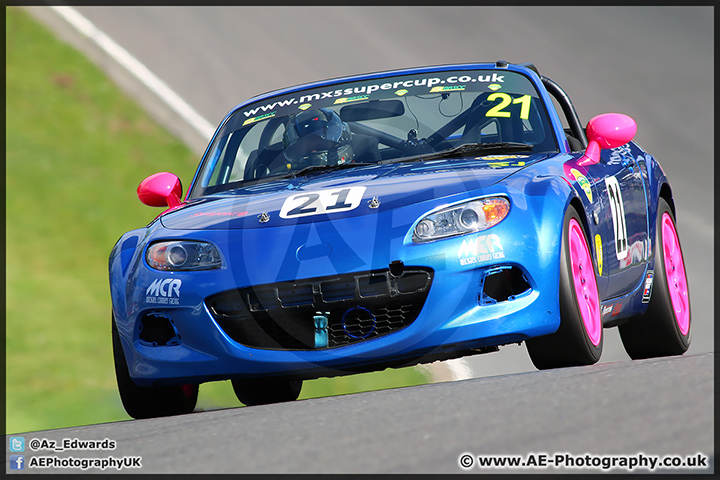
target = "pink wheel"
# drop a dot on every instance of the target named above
(675, 274)
(586, 292)
(664, 329)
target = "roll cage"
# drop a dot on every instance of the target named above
(575, 131)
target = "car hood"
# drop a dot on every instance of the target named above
(391, 185)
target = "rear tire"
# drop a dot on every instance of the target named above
(579, 339)
(263, 391)
(664, 328)
(149, 402)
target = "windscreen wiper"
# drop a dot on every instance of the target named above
(474, 148)
(314, 168)
(223, 188)
(469, 149)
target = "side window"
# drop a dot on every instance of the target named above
(574, 130)
(560, 113)
(574, 143)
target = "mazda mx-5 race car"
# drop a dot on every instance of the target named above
(392, 219)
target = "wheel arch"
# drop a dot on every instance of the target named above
(577, 204)
(666, 194)
(585, 219)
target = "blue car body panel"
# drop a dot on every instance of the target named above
(456, 316)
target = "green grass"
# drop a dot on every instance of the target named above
(76, 150)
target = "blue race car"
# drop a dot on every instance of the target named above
(392, 219)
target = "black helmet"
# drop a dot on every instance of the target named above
(317, 137)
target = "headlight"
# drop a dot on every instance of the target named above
(461, 219)
(183, 255)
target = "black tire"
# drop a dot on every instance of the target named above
(149, 402)
(263, 391)
(658, 332)
(572, 345)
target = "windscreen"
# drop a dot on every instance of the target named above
(374, 121)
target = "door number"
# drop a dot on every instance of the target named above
(618, 216)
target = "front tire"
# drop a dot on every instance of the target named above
(263, 391)
(664, 328)
(579, 339)
(149, 402)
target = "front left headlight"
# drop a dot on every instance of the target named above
(183, 255)
(462, 218)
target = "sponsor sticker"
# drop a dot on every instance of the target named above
(454, 88)
(583, 182)
(504, 157)
(599, 253)
(362, 92)
(305, 106)
(483, 248)
(504, 164)
(356, 98)
(219, 214)
(647, 291)
(164, 291)
(617, 155)
(258, 118)
(613, 309)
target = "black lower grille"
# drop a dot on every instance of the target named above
(322, 312)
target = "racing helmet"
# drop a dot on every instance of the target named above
(317, 137)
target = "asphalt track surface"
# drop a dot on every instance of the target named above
(657, 408)
(652, 63)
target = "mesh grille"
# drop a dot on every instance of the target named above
(357, 307)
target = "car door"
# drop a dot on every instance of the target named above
(622, 220)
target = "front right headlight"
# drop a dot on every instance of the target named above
(460, 219)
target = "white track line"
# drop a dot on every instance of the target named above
(132, 65)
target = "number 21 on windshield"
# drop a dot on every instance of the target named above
(505, 100)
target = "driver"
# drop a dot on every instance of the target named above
(317, 137)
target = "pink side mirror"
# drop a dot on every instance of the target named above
(609, 130)
(160, 190)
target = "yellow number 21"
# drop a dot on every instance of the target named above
(505, 100)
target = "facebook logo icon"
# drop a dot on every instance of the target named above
(17, 462)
